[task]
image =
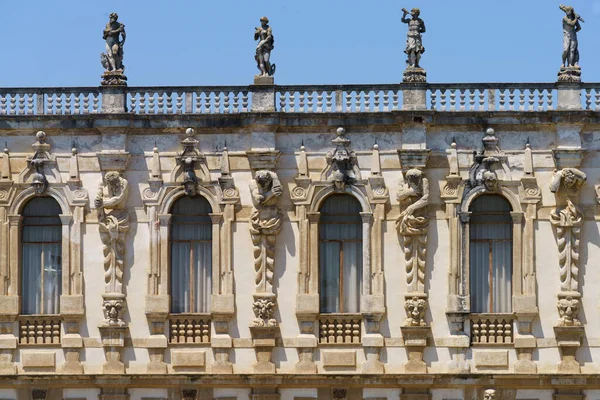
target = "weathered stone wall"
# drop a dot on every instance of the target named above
(443, 349)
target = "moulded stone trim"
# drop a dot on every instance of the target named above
(339, 358)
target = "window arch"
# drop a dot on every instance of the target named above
(491, 254)
(340, 254)
(191, 255)
(41, 256)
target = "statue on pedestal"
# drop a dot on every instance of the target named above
(112, 60)
(414, 46)
(570, 70)
(266, 41)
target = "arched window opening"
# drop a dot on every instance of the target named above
(490, 258)
(191, 255)
(340, 254)
(41, 257)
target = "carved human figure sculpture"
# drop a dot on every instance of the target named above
(265, 224)
(113, 220)
(266, 43)
(412, 227)
(567, 218)
(112, 60)
(571, 25)
(414, 41)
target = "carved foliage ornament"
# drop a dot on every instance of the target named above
(189, 160)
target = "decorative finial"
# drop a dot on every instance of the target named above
(528, 145)
(189, 132)
(340, 131)
(6, 147)
(225, 145)
(155, 149)
(302, 148)
(376, 146)
(40, 136)
(490, 131)
(453, 144)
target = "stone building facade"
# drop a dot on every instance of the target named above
(413, 240)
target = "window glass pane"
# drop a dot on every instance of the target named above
(191, 255)
(41, 257)
(340, 253)
(329, 255)
(491, 255)
(502, 275)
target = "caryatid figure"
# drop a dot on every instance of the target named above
(571, 26)
(266, 43)
(412, 227)
(414, 41)
(113, 220)
(112, 60)
(568, 220)
(265, 223)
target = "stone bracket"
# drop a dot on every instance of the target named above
(415, 341)
(568, 339)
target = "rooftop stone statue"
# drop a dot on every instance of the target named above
(570, 70)
(112, 60)
(264, 35)
(414, 46)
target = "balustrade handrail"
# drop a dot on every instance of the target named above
(50, 90)
(160, 89)
(493, 85)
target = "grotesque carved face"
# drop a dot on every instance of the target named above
(39, 183)
(112, 179)
(264, 180)
(489, 394)
(414, 178)
(490, 181)
(568, 308)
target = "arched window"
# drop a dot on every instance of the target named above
(491, 246)
(340, 254)
(191, 255)
(41, 257)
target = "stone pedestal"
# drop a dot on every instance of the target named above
(414, 75)
(569, 96)
(414, 97)
(263, 341)
(222, 365)
(114, 100)
(263, 94)
(113, 341)
(415, 341)
(114, 78)
(568, 339)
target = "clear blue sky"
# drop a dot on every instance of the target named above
(210, 42)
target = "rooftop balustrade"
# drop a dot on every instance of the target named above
(303, 99)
